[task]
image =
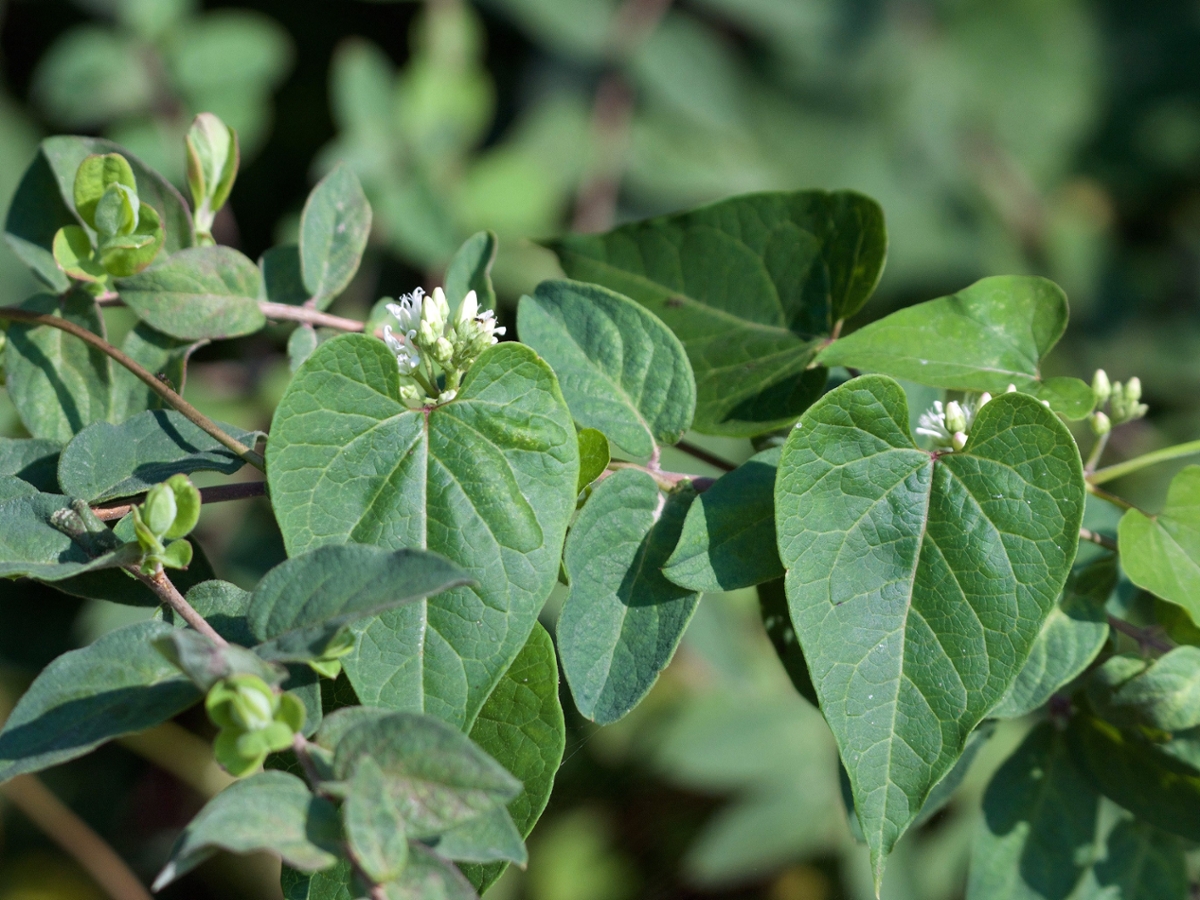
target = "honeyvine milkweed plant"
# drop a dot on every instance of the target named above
(433, 484)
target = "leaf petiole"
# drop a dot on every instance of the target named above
(1108, 473)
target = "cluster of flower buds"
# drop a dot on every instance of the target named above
(253, 719)
(949, 424)
(429, 340)
(170, 512)
(1124, 402)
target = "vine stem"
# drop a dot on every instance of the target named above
(1095, 537)
(190, 412)
(218, 494)
(285, 312)
(1105, 495)
(70, 832)
(1108, 473)
(169, 594)
(704, 456)
(1144, 636)
(1093, 459)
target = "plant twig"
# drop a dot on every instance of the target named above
(218, 494)
(74, 836)
(169, 594)
(1095, 537)
(285, 312)
(1093, 459)
(704, 456)
(1145, 637)
(190, 412)
(300, 746)
(1108, 473)
(1105, 495)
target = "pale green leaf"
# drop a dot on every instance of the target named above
(622, 620)
(1035, 838)
(984, 338)
(751, 286)
(59, 384)
(105, 461)
(118, 685)
(1164, 695)
(428, 877)
(1162, 553)
(486, 840)
(488, 481)
(919, 582)
(1140, 863)
(204, 292)
(158, 353)
(206, 662)
(622, 371)
(471, 270)
(593, 456)
(31, 545)
(374, 823)
(271, 811)
(1072, 636)
(728, 540)
(334, 228)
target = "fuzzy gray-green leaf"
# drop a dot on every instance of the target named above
(622, 621)
(334, 228)
(471, 270)
(622, 371)
(919, 582)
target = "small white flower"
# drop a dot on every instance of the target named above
(932, 423)
(468, 310)
(407, 356)
(434, 315)
(408, 311)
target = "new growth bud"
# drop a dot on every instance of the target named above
(1100, 423)
(253, 719)
(1101, 387)
(170, 512)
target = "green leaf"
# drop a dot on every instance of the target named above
(622, 371)
(32, 545)
(984, 338)
(593, 456)
(120, 586)
(32, 460)
(12, 487)
(1140, 863)
(374, 823)
(1071, 637)
(429, 877)
(224, 606)
(271, 811)
(622, 620)
(75, 255)
(301, 344)
(161, 354)
(1161, 554)
(521, 727)
(471, 270)
(282, 278)
(44, 202)
(434, 773)
(106, 461)
(118, 685)
(1137, 775)
(907, 568)
(1035, 838)
(302, 604)
(750, 285)
(334, 228)
(777, 622)
(1164, 695)
(487, 839)
(59, 384)
(204, 292)
(488, 481)
(207, 662)
(728, 540)
(334, 883)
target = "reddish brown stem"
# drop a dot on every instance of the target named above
(169, 594)
(217, 494)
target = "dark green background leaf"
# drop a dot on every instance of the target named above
(334, 228)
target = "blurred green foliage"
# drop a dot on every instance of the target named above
(1058, 137)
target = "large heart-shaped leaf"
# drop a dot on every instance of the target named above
(105, 461)
(622, 370)
(984, 338)
(45, 202)
(488, 481)
(751, 286)
(521, 727)
(622, 621)
(118, 685)
(58, 384)
(918, 581)
(1162, 553)
(204, 292)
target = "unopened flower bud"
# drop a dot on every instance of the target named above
(1101, 424)
(958, 440)
(983, 399)
(411, 395)
(442, 351)
(1133, 390)
(956, 419)
(159, 510)
(1011, 389)
(1101, 387)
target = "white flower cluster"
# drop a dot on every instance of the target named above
(426, 336)
(949, 424)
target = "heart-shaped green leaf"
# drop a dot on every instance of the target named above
(1162, 553)
(622, 370)
(204, 292)
(622, 621)
(750, 286)
(488, 481)
(984, 338)
(906, 569)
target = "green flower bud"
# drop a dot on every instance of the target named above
(1133, 390)
(956, 418)
(187, 504)
(1101, 424)
(254, 721)
(159, 510)
(1101, 387)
